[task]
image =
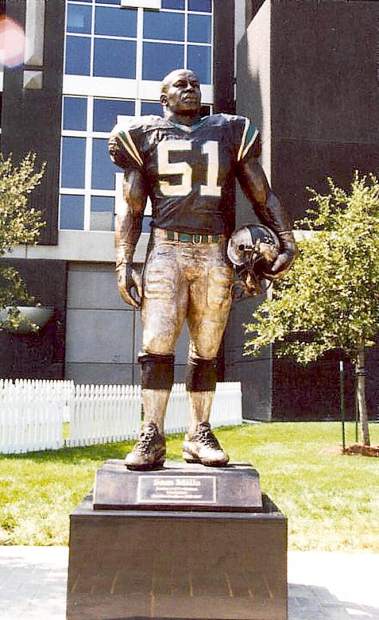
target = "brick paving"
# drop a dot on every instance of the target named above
(322, 586)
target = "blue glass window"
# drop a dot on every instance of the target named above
(199, 28)
(102, 213)
(161, 58)
(78, 51)
(116, 22)
(73, 162)
(173, 4)
(105, 112)
(199, 61)
(75, 113)
(169, 26)
(107, 2)
(102, 168)
(114, 58)
(151, 107)
(146, 228)
(72, 212)
(204, 6)
(79, 18)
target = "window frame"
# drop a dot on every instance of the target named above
(70, 83)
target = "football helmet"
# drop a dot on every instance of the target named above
(253, 250)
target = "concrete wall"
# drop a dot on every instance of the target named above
(254, 373)
(324, 93)
(254, 101)
(254, 97)
(103, 334)
(307, 77)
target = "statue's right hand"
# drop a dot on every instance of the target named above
(129, 282)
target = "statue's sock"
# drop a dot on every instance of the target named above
(201, 381)
(157, 377)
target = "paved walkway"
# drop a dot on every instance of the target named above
(322, 586)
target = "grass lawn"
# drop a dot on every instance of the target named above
(331, 500)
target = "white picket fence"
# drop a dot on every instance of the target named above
(32, 413)
(104, 413)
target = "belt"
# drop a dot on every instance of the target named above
(196, 239)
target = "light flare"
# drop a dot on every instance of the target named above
(12, 43)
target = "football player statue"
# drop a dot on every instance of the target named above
(187, 165)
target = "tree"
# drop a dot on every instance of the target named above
(18, 224)
(331, 295)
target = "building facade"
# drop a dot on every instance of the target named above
(88, 63)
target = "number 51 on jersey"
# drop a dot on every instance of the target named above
(183, 168)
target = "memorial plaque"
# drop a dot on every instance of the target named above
(178, 486)
(201, 489)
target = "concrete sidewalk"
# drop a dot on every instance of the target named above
(322, 586)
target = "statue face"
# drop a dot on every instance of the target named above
(182, 92)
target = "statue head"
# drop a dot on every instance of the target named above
(180, 93)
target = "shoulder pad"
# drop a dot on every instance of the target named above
(248, 138)
(219, 120)
(138, 123)
(126, 140)
(245, 134)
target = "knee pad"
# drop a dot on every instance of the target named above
(157, 371)
(201, 375)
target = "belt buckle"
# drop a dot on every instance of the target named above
(196, 239)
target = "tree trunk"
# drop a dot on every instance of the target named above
(361, 395)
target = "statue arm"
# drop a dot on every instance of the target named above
(128, 227)
(269, 211)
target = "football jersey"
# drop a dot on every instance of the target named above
(189, 170)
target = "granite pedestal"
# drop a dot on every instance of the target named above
(183, 564)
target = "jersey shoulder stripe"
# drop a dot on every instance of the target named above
(126, 140)
(128, 144)
(250, 134)
(244, 133)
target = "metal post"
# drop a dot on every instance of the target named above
(356, 411)
(342, 404)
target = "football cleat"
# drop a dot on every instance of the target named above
(203, 447)
(150, 450)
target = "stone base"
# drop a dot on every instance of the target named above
(177, 565)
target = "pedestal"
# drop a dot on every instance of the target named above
(177, 564)
(178, 486)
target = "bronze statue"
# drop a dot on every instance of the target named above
(187, 165)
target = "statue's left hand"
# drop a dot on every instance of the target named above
(288, 253)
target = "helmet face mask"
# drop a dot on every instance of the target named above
(253, 250)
